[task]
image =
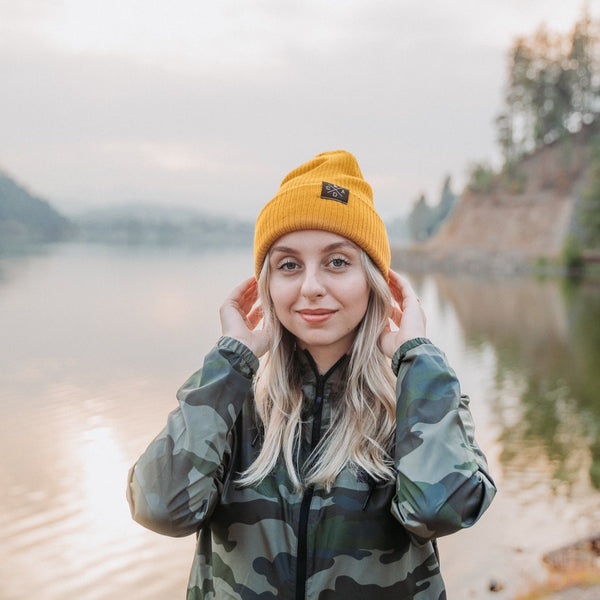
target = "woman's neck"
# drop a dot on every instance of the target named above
(323, 361)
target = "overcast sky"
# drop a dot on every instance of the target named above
(209, 104)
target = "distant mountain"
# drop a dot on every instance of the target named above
(156, 225)
(27, 218)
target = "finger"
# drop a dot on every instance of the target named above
(400, 282)
(396, 315)
(248, 300)
(248, 288)
(395, 285)
(254, 316)
(406, 291)
(245, 294)
(238, 292)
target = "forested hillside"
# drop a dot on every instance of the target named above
(27, 218)
(540, 222)
(543, 205)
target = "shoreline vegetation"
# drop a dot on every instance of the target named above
(540, 212)
(545, 226)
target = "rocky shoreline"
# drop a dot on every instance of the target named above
(574, 572)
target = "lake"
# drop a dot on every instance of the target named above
(96, 340)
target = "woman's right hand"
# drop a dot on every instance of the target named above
(239, 317)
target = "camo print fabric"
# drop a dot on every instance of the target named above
(361, 539)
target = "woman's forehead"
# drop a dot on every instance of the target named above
(313, 239)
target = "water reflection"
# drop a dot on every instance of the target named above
(102, 468)
(527, 353)
(95, 342)
(546, 337)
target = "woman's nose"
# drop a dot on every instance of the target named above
(312, 283)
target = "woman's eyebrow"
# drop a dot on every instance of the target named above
(328, 248)
(284, 249)
(337, 245)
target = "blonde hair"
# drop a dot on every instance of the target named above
(362, 421)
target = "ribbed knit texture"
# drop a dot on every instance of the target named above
(298, 205)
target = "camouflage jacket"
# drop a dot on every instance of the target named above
(361, 539)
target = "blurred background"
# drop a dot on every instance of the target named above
(139, 140)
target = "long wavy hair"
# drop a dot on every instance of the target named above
(362, 420)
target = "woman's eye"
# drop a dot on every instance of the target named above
(287, 265)
(339, 262)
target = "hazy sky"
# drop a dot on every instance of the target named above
(210, 104)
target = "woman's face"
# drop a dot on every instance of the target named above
(319, 291)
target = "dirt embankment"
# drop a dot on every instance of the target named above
(517, 223)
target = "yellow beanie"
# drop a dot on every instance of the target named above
(327, 193)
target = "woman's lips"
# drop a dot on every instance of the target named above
(318, 315)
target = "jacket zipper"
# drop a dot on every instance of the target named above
(301, 568)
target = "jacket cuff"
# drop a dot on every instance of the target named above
(400, 354)
(241, 358)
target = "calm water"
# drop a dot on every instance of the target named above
(95, 342)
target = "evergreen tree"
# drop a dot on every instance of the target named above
(446, 203)
(552, 89)
(582, 57)
(518, 101)
(420, 221)
(424, 220)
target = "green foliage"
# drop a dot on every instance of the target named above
(573, 255)
(481, 178)
(595, 466)
(506, 138)
(420, 220)
(446, 204)
(589, 216)
(552, 88)
(513, 178)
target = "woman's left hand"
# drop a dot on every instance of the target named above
(408, 316)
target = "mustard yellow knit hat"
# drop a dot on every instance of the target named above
(327, 193)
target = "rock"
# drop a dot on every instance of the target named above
(495, 585)
(583, 554)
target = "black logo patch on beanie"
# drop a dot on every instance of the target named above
(329, 191)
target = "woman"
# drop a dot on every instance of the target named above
(329, 470)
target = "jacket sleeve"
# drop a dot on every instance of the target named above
(442, 483)
(175, 485)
